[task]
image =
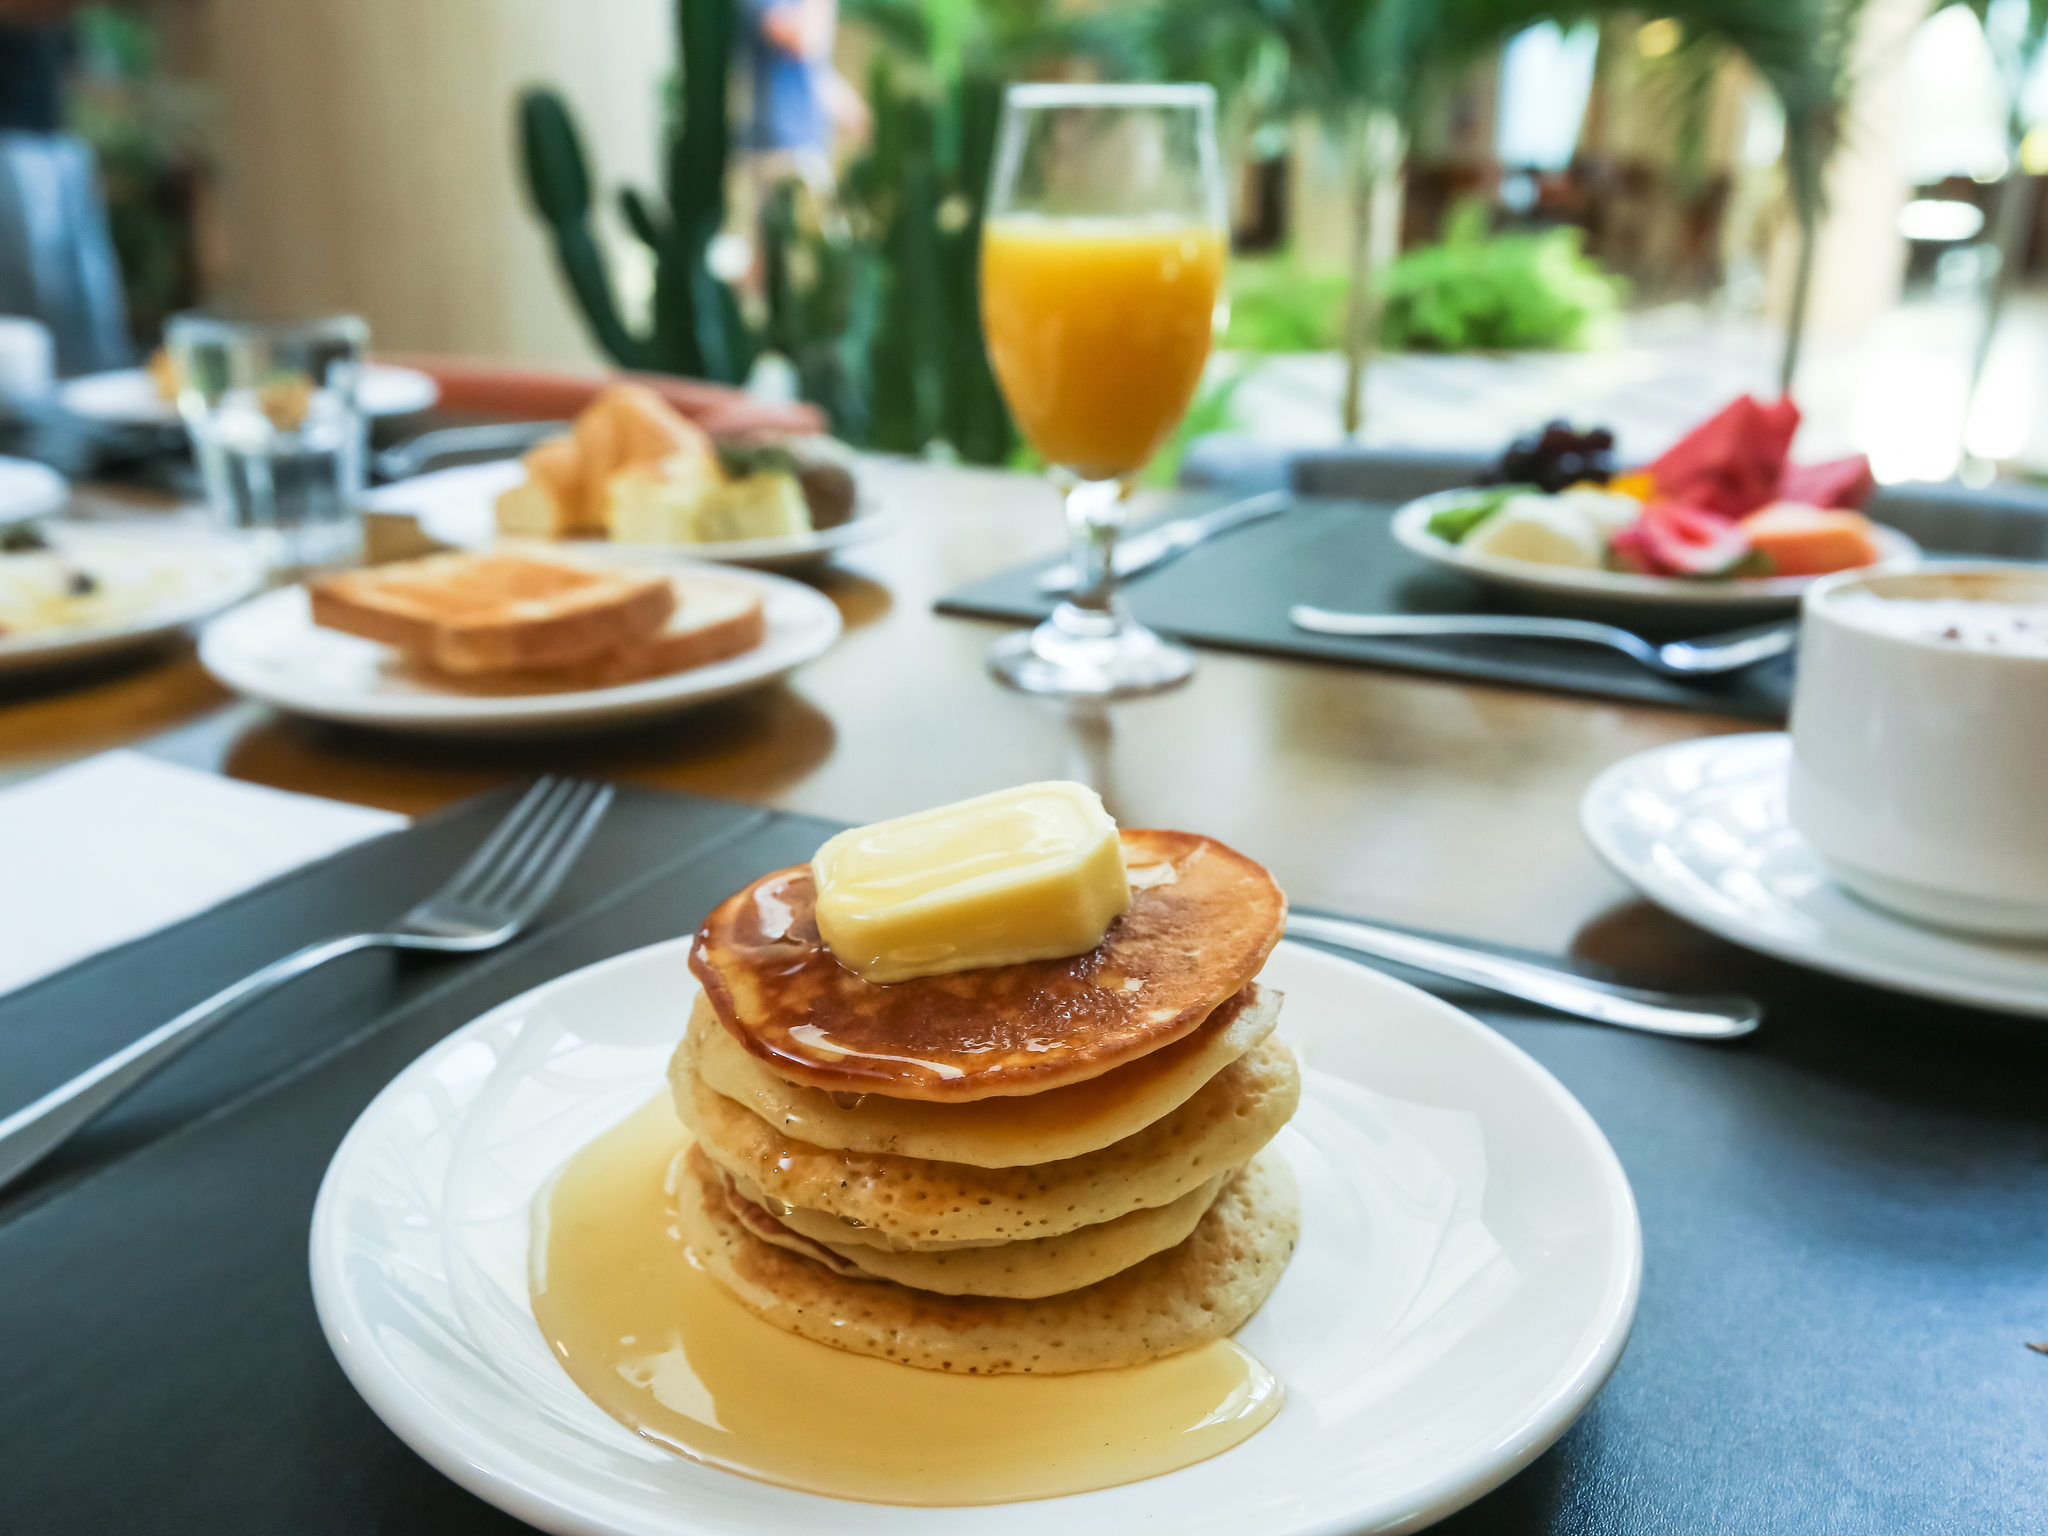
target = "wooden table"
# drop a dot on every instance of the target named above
(1439, 804)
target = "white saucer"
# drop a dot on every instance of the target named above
(1700, 828)
(270, 649)
(193, 575)
(130, 395)
(1466, 1277)
(29, 489)
(459, 506)
(1620, 594)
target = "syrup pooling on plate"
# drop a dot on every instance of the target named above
(661, 1347)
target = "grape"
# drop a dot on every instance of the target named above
(1558, 456)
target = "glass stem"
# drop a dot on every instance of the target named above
(1095, 517)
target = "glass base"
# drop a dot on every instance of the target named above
(1082, 653)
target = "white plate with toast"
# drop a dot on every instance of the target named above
(1466, 1277)
(273, 650)
(458, 507)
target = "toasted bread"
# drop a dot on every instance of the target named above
(466, 614)
(713, 620)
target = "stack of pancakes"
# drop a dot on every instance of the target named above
(1047, 1167)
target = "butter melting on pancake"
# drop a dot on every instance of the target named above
(1201, 923)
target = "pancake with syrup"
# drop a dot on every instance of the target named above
(987, 1133)
(888, 1201)
(1043, 1266)
(1202, 1288)
(1201, 921)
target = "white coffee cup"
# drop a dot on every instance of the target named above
(1920, 742)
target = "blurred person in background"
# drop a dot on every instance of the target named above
(797, 104)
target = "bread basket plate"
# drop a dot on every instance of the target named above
(1465, 1281)
(1618, 594)
(459, 506)
(129, 395)
(271, 650)
(161, 581)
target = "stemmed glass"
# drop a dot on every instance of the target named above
(1102, 261)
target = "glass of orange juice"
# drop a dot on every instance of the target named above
(1102, 258)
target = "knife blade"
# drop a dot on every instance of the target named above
(1158, 546)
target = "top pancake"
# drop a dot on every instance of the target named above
(1201, 922)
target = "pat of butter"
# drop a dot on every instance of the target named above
(1030, 873)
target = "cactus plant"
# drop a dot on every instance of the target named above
(696, 327)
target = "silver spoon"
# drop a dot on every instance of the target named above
(1653, 1013)
(1708, 656)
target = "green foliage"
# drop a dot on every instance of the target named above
(696, 327)
(1279, 305)
(1478, 292)
(147, 132)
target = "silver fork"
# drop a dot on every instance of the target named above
(1708, 656)
(497, 893)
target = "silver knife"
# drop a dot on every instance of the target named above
(1169, 541)
(1603, 1002)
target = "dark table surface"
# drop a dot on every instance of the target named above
(1845, 1250)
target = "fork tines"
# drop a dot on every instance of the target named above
(525, 858)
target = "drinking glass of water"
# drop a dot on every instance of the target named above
(271, 406)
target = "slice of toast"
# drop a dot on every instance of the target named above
(467, 614)
(713, 620)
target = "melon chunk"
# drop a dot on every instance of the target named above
(1810, 541)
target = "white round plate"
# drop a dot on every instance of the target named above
(1466, 1277)
(459, 506)
(130, 395)
(270, 649)
(1700, 828)
(1562, 588)
(191, 575)
(29, 489)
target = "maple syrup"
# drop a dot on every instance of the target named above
(658, 1344)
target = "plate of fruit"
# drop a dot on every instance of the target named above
(1724, 521)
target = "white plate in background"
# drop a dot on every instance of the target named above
(184, 575)
(1567, 589)
(1700, 827)
(270, 649)
(1465, 1281)
(29, 489)
(130, 395)
(459, 506)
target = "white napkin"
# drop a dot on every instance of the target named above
(121, 845)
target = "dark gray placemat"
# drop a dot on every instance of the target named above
(1234, 593)
(1844, 1256)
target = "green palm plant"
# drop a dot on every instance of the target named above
(1367, 68)
(2018, 32)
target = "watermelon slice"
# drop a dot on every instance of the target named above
(1732, 462)
(1837, 483)
(1671, 539)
